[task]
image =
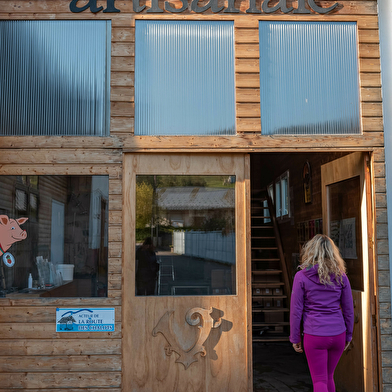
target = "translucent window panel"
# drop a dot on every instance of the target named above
(309, 78)
(62, 228)
(185, 235)
(285, 195)
(266, 212)
(278, 199)
(184, 78)
(55, 77)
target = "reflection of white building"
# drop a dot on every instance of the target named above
(192, 206)
(99, 195)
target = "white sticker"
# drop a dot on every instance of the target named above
(8, 259)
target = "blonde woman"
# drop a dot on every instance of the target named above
(322, 300)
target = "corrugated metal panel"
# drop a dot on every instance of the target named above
(184, 78)
(55, 77)
(309, 78)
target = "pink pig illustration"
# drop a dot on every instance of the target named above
(10, 232)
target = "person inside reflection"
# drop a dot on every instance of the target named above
(146, 268)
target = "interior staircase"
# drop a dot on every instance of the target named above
(270, 282)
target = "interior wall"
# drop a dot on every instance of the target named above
(265, 168)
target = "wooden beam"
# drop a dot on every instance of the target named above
(254, 142)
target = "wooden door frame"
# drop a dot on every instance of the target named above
(130, 303)
(248, 237)
(372, 255)
(353, 165)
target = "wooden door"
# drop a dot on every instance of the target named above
(346, 204)
(175, 342)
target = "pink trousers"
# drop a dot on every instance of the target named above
(323, 354)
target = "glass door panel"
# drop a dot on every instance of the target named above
(185, 235)
(345, 226)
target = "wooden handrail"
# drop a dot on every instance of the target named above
(283, 265)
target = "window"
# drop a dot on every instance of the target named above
(309, 78)
(54, 78)
(184, 78)
(56, 229)
(279, 192)
(185, 235)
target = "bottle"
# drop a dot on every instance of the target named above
(30, 282)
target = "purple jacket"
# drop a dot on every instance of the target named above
(326, 310)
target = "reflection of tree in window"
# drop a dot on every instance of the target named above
(144, 197)
(191, 220)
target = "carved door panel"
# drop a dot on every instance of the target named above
(346, 219)
(185, 328)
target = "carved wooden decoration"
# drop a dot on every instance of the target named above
(195, 317)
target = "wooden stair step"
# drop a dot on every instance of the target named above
(270, 332)
(271, 339)
(266, 284)
(267, 272)
(259, 297)
(263, 324)
(271, 310)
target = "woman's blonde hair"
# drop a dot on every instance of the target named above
(322, 251)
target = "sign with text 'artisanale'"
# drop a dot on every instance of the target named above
(254, 5)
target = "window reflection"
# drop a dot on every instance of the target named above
(62, 235)
(344, 207)
(185, 235)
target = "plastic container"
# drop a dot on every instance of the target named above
(66, 270)
(30, 282)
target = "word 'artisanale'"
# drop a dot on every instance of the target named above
(212, 4)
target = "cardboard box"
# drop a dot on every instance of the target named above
(277, 291)
(273, 317)
(278, 303)
(267, 302)
(267, 291)
(257, 291)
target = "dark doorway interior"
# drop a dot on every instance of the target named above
(293, 182)
(278, 368)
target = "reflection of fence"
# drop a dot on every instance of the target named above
(212, 245)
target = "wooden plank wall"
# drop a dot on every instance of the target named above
(246, 73)
(382, 272)
(32, 355)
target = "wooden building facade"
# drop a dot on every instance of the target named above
(132, 357)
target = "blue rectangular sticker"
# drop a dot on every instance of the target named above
(85, 320)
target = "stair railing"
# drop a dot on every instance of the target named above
(283, 265)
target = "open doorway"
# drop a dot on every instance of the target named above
(289, 205)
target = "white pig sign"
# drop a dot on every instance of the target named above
(10, 232)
